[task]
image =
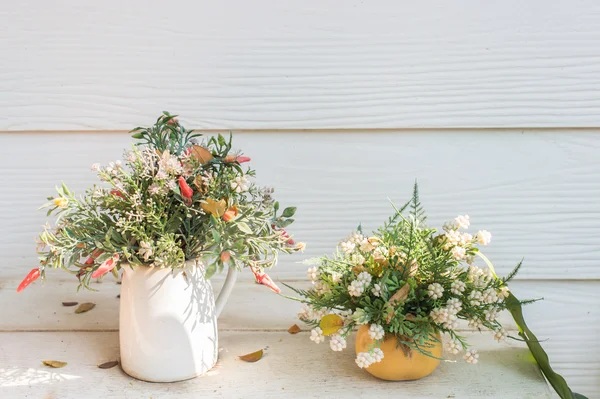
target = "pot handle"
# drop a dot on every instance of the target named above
(226, 290)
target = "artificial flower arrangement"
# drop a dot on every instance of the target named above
(405, 285)
(174, 198)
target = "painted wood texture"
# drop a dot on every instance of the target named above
(504, 371)
(327, 64)
(536, 191)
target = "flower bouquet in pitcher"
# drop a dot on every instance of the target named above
(176, 211)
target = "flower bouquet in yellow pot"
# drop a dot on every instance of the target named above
(405, 289)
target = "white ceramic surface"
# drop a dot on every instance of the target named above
(168, 322)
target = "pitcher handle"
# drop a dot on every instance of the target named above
(226, 290)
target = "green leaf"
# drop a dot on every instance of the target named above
(541, 357)
(216, 235)
(210, 270)
(276, 207)
(286, 222)
(289, 212)
(138, 136)
(244, 228)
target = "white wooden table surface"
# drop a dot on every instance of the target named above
(35, 326)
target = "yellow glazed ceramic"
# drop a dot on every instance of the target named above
(395, 366)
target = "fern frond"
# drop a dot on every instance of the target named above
(513, 273)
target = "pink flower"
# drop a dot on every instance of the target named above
(263, 278)
(106, 266)
(186, 191)
(33, 275)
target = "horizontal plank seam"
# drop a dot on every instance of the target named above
(324, 130)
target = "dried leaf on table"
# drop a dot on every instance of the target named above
(294, 329)
(108, 365)
(69, 303)
(252, 357)
(54, 363)
(85, 307)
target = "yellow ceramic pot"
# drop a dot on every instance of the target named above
(396, 366)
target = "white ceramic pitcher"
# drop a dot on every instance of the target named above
(168, 321)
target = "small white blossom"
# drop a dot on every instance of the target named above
(377, 355)
(316, 335)
(367, 246)
(118, 163)
(336, 278)
(378, 253)
(161, 175)
(154, 189)
(337, 343)
(475, 298)
(503, 293)
(356, 237)
(376, 331)
(462, 221)
(449, 226)
(453, 347)
(364, 278)
(145, 250)
(490, 296)
(240, 184)
(347, 246)
(466, 239)
(471, 356)
(500, 335)
(453, 238)
(439, 315)
(475, 323)
(357, 259)
(322, 288)
(130, 156)
(484, 237)
(435, 290)
(457, 287)
(313, 273)
(96, 167)
(491, 314)
(364, 360)
(356, 288)
(458, 253)
(454, 305)
(376, 291)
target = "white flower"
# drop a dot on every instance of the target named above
(453, 238)
(240, 184)
(376, 291)
(435, 290)
(377, 355)
(458, 253)
(367, 246)
(305, 312)
(321, 288)
(357, 259)
(364, 278)
(336, 278)
(161, 175)
(356, 237)
(145, 250)
(364, 359)
(96, 167)
(118, 163)
(337, 343)
(360, 316)
(491, 314)
(475, 298)
(439, 315)
(475, 323)
(313, 273)
(490, 296)
(347, 246)
(376, 331)
(462, 222)
(457, 287)
(378, 253)
(454, 305)
(503, 293)
(471, 356)
(356, 288)
(500, 335)
(316, 335)
(484, 237)
(154, 189)
(453, 347)
(130, 156)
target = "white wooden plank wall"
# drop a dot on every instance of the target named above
(493, 106)
(306, 64)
